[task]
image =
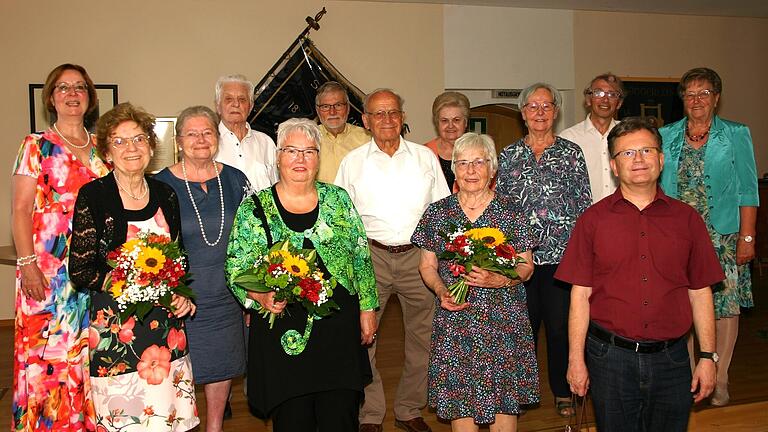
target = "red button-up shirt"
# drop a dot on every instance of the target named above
(640, 265)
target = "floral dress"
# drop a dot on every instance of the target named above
(736, 290)
(50, 341)
(141, 374)
(482, 359)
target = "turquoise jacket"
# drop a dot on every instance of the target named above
(730, 175)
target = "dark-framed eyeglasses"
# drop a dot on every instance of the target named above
(327, 107)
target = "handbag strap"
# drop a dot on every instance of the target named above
(258, 211)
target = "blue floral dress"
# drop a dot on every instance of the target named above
(736, 290)
(482, 359)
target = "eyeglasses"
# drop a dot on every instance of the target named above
(140, 140)
(476, 164)
(379, 115)
(327, 107)
(630, 153)
(293, 152)
(600, 93)
(195, 135)
(65, 88)
(534, 107)
(701, 94)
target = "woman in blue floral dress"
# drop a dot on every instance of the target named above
(547, 176)
(482, 365)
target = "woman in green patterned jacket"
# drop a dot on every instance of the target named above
(315, 380)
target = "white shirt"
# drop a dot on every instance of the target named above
(595, 148)
(391, 193)
(255, 155)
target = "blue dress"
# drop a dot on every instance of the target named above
(482, 359)
(215, 332)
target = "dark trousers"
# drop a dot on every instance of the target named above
(329, 411)
(635, 392)
(548, 302)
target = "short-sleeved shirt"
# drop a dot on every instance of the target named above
(641, 264)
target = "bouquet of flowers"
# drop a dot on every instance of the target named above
(485, 247)
(294, 277)
(146, 272)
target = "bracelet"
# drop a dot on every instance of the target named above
(26, 260)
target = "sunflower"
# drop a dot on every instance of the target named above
(296, 266)
(150, 260)
(490, 236)
(130, 244)
(280, 253)
(116, 289)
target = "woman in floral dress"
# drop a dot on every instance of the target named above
(482, 364)
(141, 377)
(50, 337)
(709, 163)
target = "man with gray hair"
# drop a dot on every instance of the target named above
(391, 182)
(603, 97)
(250, 151)
(338, 136)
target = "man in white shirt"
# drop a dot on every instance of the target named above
(391, 182)
(603, 97)
(250, 151)
(337, 137)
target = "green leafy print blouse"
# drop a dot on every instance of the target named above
(338, 236)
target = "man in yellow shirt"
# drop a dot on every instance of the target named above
(337, 136)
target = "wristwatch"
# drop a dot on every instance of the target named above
(748, 238)
(709, 355)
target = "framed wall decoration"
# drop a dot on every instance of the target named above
(652, 97)
(166, 152)
(38, 116)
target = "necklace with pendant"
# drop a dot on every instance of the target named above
(194, 206)
(70, 142)
(696, 138)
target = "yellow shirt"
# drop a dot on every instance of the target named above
(334, 148)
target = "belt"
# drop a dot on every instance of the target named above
(632, 345)
(392, 249)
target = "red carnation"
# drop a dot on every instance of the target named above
(457, 269)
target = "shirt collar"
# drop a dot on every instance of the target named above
(341, 134)
(223, 130)
(402, 148)
(590, 127)
(617, 196)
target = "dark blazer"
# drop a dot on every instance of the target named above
(99, 227)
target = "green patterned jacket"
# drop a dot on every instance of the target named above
(338, 236)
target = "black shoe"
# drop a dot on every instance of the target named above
(227, 411)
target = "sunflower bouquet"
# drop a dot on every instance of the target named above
(294, 277)
(485, 247)
(146, 271)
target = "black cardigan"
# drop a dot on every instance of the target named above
(99, 227)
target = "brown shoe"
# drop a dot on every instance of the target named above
(370, 427)
(413, 425)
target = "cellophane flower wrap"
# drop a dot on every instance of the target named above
(294, 276)
(146, 271)
(485, 247)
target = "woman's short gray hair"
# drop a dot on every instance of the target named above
(557, 98)
(471, 140)
(233, 78)
(197, 111)
(304, 126)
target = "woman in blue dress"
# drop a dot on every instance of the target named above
(209, 194)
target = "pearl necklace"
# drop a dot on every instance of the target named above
(197, 212)
(126, 190)
(69, 142)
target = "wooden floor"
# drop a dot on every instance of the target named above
(748, 411)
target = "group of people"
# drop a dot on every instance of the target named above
(613, 265)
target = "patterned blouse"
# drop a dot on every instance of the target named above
(553, 192)
(338, 237)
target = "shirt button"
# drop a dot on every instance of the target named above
(645, 278)
(642, 233)
(645, 303)
(642, 257)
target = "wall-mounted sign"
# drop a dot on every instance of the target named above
(506, 93)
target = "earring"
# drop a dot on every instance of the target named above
(151, 153)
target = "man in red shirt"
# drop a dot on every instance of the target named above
(641, 265)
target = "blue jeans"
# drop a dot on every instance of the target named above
(635, 392)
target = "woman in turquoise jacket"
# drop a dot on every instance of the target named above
(709, 163)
